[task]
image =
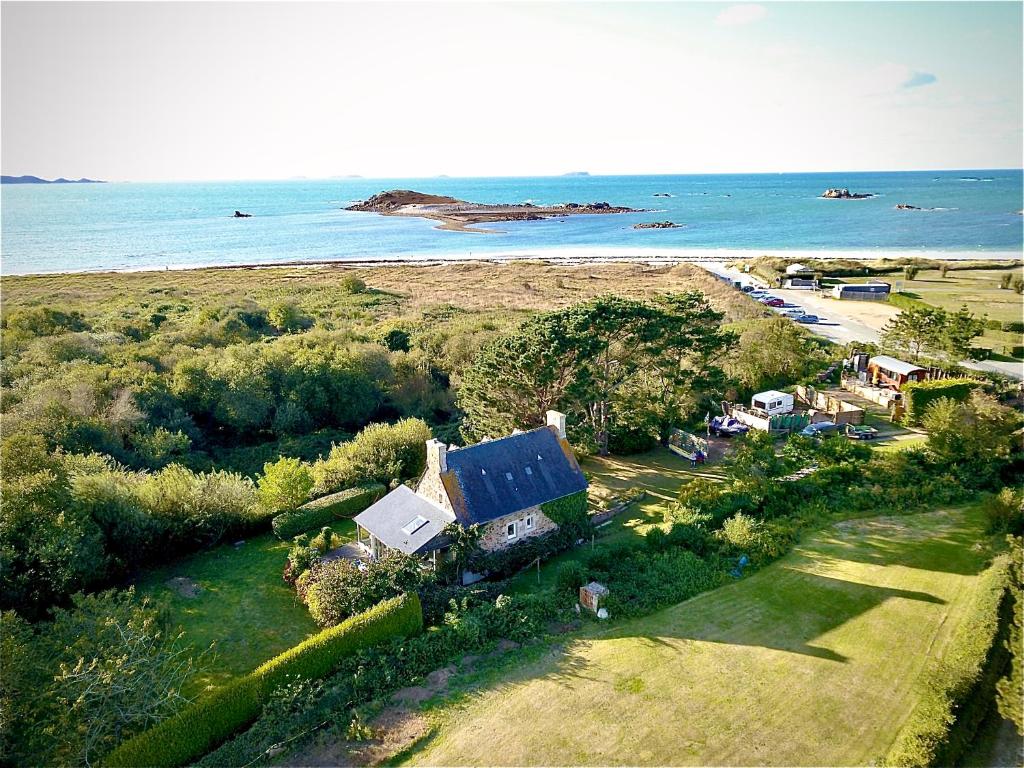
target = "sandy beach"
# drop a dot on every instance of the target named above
(583, 255)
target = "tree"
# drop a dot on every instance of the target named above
(975, 438)
(770, 353)
(915, 329)
(103, 670)
(285, 484)
(685, 360)
(961, 328)
(910, 271)
(1010, 689)
(515, 379)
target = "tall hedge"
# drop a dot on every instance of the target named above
(958, 689)
(322, 511)
(211, 719)
(918, 395)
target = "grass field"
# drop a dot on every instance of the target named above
(811, 661)
(242, 604)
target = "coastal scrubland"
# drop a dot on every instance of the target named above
(156, 424)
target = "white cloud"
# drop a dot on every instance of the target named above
(735, 15)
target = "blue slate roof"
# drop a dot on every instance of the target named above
(501, 477)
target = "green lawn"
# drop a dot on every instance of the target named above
(659, 472)
(243, 606)
(811, 661)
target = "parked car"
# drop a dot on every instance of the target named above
(860, 432)
(821, 429)
(727, 426)
(771, 301)
(747, 288)
(794, 312)
(806, 318)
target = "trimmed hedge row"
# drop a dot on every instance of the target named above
(907, 302)
(959, 688)
(918, 395)
(212, 718)
(322, 511)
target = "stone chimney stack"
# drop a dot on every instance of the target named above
(557, 420)
(437, 457)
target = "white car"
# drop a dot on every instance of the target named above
(794, 312)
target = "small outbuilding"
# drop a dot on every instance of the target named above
(885, 371)
(875, 290)
(772, 402)
(591, 594)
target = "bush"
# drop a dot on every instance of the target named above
(570, 577)
(284, 485)
(689, 537)
(214, 717)
(352, 284)
(338, 589)
(918, 395)
(957, 689)
(380, 453)
(320, 512)
(1004, 512)
(1013, 326)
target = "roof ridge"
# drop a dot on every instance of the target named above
(498, 439)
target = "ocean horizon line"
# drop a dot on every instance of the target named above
(579, 175)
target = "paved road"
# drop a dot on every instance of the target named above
(839, 325)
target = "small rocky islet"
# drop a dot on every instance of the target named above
(845, 194)
(658, 225)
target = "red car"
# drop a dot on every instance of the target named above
(773, 302)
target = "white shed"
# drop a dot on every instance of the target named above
(772, 402)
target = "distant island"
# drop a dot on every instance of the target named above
(576, 173)
(37, 180)
(459, 215)
(845, 194)
(657, 225)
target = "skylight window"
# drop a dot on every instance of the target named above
(529, 471)
(414, 525)
(508, 475)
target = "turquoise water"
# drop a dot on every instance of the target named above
(60, 228)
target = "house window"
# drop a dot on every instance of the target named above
(511, 530)
(529, 523)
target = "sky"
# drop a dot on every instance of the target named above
(197, 91)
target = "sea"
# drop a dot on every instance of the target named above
(156, 226)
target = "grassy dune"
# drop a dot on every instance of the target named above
(811, 661)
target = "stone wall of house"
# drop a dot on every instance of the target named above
(430, 487)
(495, 533)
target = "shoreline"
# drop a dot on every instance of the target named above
(578, 256)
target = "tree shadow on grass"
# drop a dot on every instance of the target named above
(948, 546)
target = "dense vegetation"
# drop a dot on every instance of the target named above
(149, 417)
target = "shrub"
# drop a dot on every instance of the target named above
(918, 395)
(352, 284)
(338, 589)
(322, 511)
(1004, 280)
(1013, 326)
(284, 484)
(570, 577)
(380, 453)
(214, 717)
(957, 689)
(689, 537)
(1004, 512)
(569, 513)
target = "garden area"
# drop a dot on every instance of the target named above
(814, 660)
(234, 598)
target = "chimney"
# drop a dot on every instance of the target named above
(557, 420)
(437, 457)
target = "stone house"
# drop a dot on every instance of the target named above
(498, 485)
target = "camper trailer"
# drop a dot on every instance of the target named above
(772, 402)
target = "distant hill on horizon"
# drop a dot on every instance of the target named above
(37, 180)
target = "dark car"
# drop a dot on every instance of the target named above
(771, 301)
(860, 432)
(806, 318)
